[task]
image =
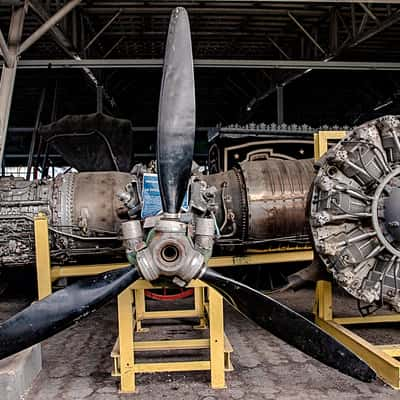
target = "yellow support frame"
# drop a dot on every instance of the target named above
(321, 139)
(125, 347)
(42, 250)
(47, 274)
(381, 358)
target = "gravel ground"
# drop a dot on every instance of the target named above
(77, 363)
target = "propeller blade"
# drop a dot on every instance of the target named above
(289, 326)
(176, 114)
(61, 309)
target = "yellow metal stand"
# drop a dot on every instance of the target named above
(43, 266)
(321, 139)
(47, 274)
(381, 358)
(132, 299)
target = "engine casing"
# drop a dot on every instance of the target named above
(82, 209)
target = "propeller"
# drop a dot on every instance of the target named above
(176, 136)
(289, 326)
(62, 309)
(176, 114)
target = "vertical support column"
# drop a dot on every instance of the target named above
(125, 329)
(199, 307)
(323, 301)
(216, 323)
(279, 105)
(140, 309)
(9, 72)
(42, 251)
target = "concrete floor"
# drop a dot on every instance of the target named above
(77, 365)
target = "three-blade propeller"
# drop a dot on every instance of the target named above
(176, 136)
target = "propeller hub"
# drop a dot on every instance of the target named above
(170, 252)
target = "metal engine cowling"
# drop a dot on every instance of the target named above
(355, 211)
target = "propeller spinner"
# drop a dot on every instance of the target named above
(170, 250)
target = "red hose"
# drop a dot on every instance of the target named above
(169, 297)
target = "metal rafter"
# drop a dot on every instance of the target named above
(361, 37)
(48, 24)
(369, 12)
(157, 63)
(9, 72)
(304, 30)
(65, 43)
(4, 51)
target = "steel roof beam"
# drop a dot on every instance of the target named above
(8, 73)
(361, 37)
(64, 42)
(369, 12)
(4, 51)
(49, 24)
(212, 63)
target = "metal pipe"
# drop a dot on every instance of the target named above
(34, 134)
(52, 21)
(100, 32)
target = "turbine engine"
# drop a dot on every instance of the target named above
(83, 212)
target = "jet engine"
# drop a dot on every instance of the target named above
(83, 212)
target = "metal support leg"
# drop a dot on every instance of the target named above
(216, 322)
(42, 251)
(125, 329)
(381, 358)
(140, 309)
(8, 73)
(199, 307)
(323, 300)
